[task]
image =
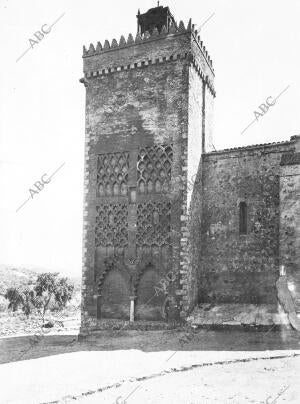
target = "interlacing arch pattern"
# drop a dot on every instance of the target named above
(112, 174)
(153, 224)
(154, 168)
(111, 225)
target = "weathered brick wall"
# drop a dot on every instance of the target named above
(290, 219)
(201, 97)
(126, 110)
(133, 109)
(138, 94)
(209, 114)
(234, 267)
(195, 135)
(137, 52)
(200, 106)
(195, 242)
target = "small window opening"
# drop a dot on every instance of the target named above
(243, 218)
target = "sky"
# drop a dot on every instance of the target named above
(255, 48)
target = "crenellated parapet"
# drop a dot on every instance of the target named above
(173, 31)
(150, 62)
(201, 47)
(131, 40)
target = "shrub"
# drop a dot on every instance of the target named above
(14, 297)
(49, 291)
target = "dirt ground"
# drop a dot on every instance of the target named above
(258, 381)
(12, 324)
(162, 366)
(28, 347)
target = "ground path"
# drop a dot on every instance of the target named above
(109, 366)
(253, 381)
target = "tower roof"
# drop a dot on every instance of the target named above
(156, 17)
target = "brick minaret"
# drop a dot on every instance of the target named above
(148, 113)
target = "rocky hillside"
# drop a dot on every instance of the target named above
(15, 277)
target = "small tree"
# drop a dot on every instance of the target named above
(14, 297)
(20, 298)
(63, 293)
(28, 297)
(50, 289)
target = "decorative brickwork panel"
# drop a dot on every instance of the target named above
(112, 174)
(154, 169)
(112, 225)
(154, 223)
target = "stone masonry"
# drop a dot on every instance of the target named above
(242, 267)
(146, 99)
(153, 247)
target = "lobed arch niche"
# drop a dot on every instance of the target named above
(150, 300)
(114, 293)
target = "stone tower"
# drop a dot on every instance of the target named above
(148, 120)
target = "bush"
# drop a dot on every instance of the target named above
(14, 297)
(49, 291)
(52, 291)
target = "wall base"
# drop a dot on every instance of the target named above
(237, 315)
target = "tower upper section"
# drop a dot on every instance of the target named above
(159, 39)
(157, 17)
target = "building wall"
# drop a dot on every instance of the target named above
(234, 267)
(195, 136)
(209, 113)
(136, 133)
(135, 50)
(200, 106)
(290, 219)
(138, 95)
(152, 208)
(201, 96)
(127, 111)
(161, 211)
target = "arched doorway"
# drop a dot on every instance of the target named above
(115, 301)
(149, 299)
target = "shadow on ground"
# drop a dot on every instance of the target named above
(29, 347)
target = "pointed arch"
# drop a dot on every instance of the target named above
(150, 299)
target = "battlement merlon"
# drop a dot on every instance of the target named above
(166, 44)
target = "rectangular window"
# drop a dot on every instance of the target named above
(243, 218)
